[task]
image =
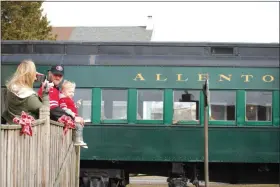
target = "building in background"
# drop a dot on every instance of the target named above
(107, 34)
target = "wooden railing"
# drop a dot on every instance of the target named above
(45, 159)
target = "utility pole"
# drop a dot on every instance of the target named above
(206, 116)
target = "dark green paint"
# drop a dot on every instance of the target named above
(276, 108)
(149, 122)
(158, 140)
(222, 123)
(132, 106)
(96, 106)
(101, 76)
(113, 121)
(258, 123)
(188, 123)
(122, 77)
(201, 108)
(165, 143)
(168, 106)
(168, 102)
(241, 107)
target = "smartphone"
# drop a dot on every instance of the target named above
(40, 77)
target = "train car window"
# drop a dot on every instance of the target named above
(149, 104)
(42, 59)
(84, 95)
(258, 106)
(222, 105)
(49, 49)
(81, 49)
(114, 104)
(16, 48)
(185, 105)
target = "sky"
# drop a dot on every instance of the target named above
(177, 21)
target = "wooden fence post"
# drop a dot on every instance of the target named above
(45, 142)
(77, 173)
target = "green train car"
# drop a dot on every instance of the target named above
(143, 104)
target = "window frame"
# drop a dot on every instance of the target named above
(223, 122)
(132, 101)
(147, 121)
(258, 123)
(200, 109)
(113, 121)
(222, 104)
(90, 102)
(275, 108)
(86, 121)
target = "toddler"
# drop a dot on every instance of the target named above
(67, 103)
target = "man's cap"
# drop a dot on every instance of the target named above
(57, 70)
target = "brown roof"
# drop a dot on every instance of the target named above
(120, 33)
(63, 33)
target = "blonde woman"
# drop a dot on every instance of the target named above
(20, 93)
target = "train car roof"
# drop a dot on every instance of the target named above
(151, 43)
(142, 53)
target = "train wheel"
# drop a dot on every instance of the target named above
(177, 183)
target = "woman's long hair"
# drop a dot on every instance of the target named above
(24, 76)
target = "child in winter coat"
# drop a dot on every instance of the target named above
(67, 103)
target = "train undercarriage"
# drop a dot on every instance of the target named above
(117, 174)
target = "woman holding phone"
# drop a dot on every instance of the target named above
(20, 93)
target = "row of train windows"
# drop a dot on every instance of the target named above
(185, 105)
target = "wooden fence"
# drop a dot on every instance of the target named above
(45, 159)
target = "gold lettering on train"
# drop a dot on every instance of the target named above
(246, 77)
(268, 78)
(179, 78)
(158, 77)
(228, 78)
(139, 77)
(202, 77)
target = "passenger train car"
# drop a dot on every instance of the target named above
(143, 104)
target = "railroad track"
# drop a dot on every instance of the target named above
(155, 181)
